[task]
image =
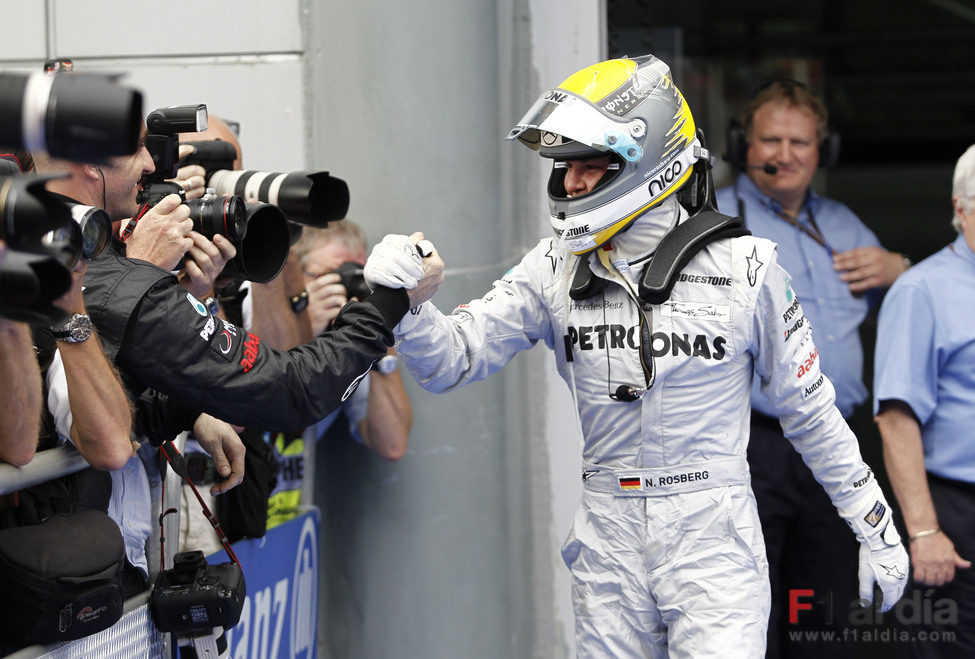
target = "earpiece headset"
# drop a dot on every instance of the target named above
(737, 144)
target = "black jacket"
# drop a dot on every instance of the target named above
(163, 339)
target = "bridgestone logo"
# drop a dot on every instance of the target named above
(704, 279)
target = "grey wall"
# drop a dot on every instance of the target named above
(453, 550)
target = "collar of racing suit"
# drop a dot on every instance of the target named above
(631, 248)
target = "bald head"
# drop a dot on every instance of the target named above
(217, 129)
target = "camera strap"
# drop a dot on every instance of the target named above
(168, 453)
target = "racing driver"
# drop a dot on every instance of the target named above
(659, 311)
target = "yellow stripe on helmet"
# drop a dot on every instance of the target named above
(683, 130)
(595, 82)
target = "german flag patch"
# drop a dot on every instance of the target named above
(630, 483)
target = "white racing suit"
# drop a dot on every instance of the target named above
(666, 549)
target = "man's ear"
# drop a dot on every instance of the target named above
(91, 172)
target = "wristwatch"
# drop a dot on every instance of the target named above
(212, 304)
(299, 302)
(76, 330)
(386, 365)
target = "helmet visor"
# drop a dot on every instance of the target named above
(558, 114)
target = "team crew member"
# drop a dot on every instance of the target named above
(666, 548)
(924, 393)
(839, 271)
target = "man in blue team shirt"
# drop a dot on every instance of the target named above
(924, 393)
(839, 272)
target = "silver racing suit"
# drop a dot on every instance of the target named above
(666, 548)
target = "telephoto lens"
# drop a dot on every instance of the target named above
(258, 231)
(306, 197)
(213, 214)
(29, 284)
(83, 117)
(33, 220)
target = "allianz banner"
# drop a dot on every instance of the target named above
(280, 614)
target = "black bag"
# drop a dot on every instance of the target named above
(60, 579)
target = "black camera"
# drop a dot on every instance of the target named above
(43, 242)
(350, 276)
(313, 198)
(79, 116)
(259, 231)
(195, 596)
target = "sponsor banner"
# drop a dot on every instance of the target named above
(280, 614)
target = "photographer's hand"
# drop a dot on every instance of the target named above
(72, 301)
(204, 263)
(192, 178)
(326, 297)
(219, 439)
(161, 238)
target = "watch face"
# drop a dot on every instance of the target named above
(77, 329)
(299, 302)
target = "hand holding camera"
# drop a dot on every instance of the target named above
(326, 297)
(204, 263)
(162, 236)
(191, 178)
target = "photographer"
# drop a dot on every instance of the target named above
(277, 326)
(379, 414)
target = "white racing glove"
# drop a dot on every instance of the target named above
(394, 263)
(883, 559)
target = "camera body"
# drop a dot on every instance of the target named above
(351, 276)
(195, 596)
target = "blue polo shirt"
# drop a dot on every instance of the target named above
(926, 356)
(834, 313)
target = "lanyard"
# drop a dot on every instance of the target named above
(813, 232)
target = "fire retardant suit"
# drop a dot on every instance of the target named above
(666, 546)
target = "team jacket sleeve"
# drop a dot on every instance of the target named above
(477, 339)
(788, 365)
(160, 418)
(173, 345)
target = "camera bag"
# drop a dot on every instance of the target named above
(60, 579)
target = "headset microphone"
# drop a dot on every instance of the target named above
(768, 168)
(628, 393)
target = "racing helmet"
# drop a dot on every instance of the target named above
(628, 109)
